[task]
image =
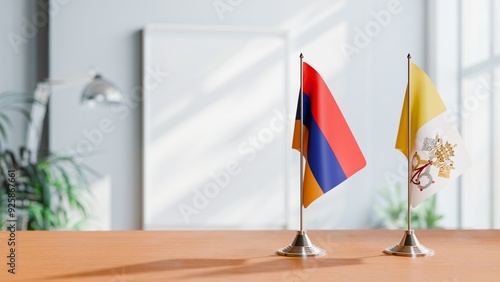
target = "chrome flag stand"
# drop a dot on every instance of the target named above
(301, 245)
(409, 246)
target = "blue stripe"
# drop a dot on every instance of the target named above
(307, 110)
(320, 156)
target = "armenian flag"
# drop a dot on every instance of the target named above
(331, 152)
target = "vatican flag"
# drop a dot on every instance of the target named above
(438, 154)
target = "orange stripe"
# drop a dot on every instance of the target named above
(296, 137)
(312, 191)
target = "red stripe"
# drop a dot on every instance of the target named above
(332, 123)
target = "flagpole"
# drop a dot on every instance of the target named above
(301, 142)
(408, 104)
(301, 245)
(409, 246)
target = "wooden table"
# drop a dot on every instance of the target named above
(248, 256)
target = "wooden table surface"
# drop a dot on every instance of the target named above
(461, 255)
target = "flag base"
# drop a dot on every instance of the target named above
(301, 247)
(409, 247)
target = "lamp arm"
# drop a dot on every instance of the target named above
(42, 94)
(62, 83)
(38, 111)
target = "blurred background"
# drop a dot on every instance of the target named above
(200, 134)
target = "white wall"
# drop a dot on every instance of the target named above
(368, 86)
(17, 56)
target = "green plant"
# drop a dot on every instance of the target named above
(12, 102)
(47, 189)
(52, 191)
(392, 212)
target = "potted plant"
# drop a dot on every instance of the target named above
(51, 192)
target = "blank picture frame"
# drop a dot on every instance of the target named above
(216, 127)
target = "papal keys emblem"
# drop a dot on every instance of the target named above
(439, 157)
